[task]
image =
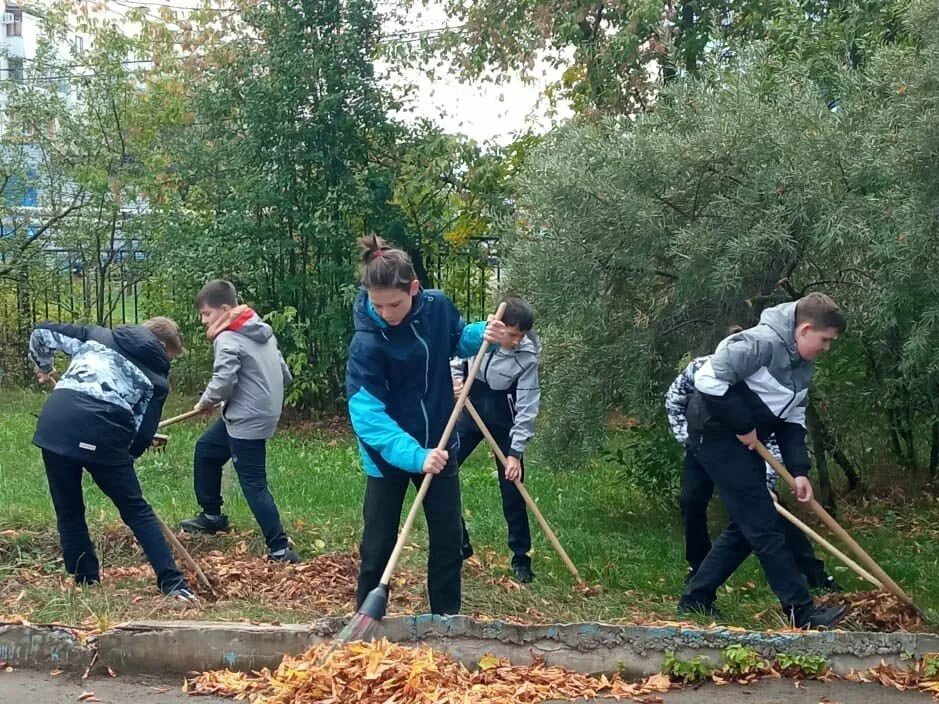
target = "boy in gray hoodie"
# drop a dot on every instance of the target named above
(755, 386)
(249, 376)
(506, 394)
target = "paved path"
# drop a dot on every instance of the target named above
(785, 692)
(23, 687)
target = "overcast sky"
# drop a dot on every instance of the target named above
(484, 111)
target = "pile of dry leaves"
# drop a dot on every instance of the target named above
(323, 584)
(876, 611)
(378, 672)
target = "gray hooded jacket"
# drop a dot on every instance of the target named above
(249, 376)
(508, 370)
(756, 379)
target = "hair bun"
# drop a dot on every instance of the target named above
(372, 246)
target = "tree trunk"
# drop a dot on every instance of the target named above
(934, 449)
(826, 494)
(831, 444)
(899, 439)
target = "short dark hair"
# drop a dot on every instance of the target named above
(518, 313)
(819, 311)
(217, 293)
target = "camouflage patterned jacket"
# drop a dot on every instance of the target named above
(106, 407)
(676, 405)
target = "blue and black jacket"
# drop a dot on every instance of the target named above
(398, 380)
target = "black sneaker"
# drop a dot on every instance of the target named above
(813, 617)
(203, 524)
(87, 580)
(686, 607)
(523, 572)
(286, 555)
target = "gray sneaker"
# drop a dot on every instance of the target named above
(183, 594)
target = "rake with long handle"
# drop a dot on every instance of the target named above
(847, 561)
(530, 502)
(875, 569)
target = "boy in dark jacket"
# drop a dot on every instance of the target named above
(100, 417)
(248, 376)
(756, 385)
(506, 394)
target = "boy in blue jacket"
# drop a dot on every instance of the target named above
(400, 398)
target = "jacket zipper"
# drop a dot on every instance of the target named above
(426, 384)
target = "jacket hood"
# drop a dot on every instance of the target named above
(243, 321)
(142, 347)
(781, 320)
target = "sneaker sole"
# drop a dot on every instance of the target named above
(204, 531)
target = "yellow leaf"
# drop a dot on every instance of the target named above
(488, 662)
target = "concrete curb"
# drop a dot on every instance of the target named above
(177, 647)
(38, 647)
(163, 647)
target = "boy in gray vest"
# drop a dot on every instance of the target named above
(755, 386)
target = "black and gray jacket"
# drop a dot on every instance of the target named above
(756, 379)
(106, 407)
(676, 406)
(506, 391)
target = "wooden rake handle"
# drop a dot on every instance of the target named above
(184, 554)
(530, 502)
(835, 552)
(442, 445)
(875, 569)
(181, 417)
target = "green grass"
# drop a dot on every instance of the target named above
(618, 540)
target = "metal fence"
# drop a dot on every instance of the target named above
(116, 289)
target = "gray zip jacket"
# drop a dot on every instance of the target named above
(757, 380)
(503, 369)
(249, 376)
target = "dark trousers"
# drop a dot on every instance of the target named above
(696, 492)
(384, 499)
(739, 476)
(213, 449)
(119, 483)
(513, 505)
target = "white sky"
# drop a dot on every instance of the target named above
(484, 111)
